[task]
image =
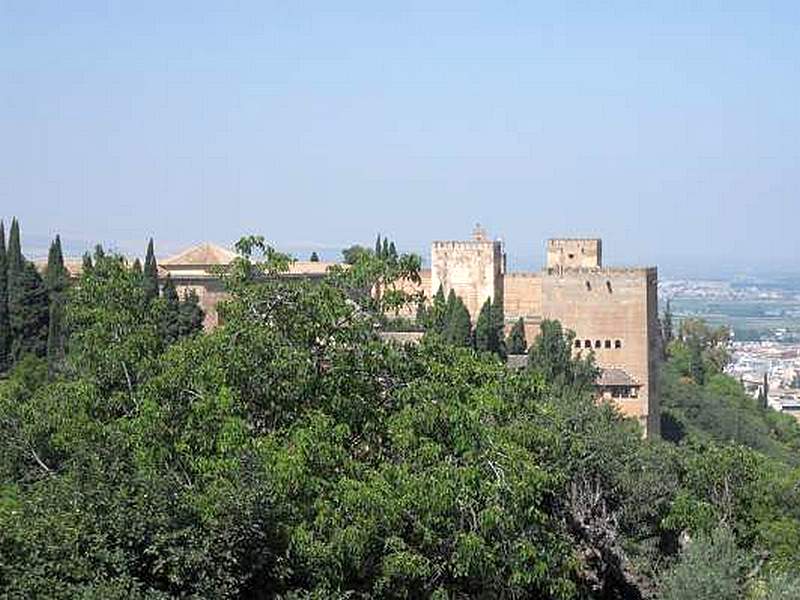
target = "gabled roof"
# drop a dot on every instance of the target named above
(616, 377)
(201, 255)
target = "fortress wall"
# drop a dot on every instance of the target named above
(522, 297)
(610, 305)
(473, 269)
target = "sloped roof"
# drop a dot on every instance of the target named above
(616, 377)
(201, 255)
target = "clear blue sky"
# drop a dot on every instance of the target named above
(671, 129)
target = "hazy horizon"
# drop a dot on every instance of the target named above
(671, 132)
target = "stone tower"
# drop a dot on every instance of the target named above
(474, 269)
(568, 253)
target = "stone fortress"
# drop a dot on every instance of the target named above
(612, 311)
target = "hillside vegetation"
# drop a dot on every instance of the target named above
(291, 453)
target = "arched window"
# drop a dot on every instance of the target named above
(608, 344)
(587, 344)
(618, 344)
(598, 344)
(577, 343)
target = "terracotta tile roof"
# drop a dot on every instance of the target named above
(616, 377)
(201, 255)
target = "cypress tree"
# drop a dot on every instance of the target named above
(56, 280)
(314, 257)
(438, 315)
(5, 331)
(459, 325)
(498, 323)
(171, 317)
(29, 312)
(483, 328)
(56, 276)
(392, 252)
(517, 344)
(385, 249)
(378, 247)
(191, 315)
(87, 265)
(99, 253)
(150, 272)
(14, 255)
(136, 268)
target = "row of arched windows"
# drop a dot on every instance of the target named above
(599, 344)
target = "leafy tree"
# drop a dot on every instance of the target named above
(516, 343)
(354, 253)
(150, 272)
(710, 568)
(550, 355)
(5, 326)
(190, 314)
(314, 257)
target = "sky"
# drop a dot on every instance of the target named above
(669, 129)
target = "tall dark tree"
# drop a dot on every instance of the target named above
(378, 246)
(56, 280)
(459, 324)
(87, 265)
(498, 323)
(667, 329)
(483, 328)
(385, 250)
(696, 361)
(314, 257)
(15, 258)
(171, 326)
(516, 343)
(191, 314)
(29, 312)
(392, 252)
(5, 331)
(136, 267)
(150, 272)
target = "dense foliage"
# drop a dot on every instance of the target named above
(292, 453)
